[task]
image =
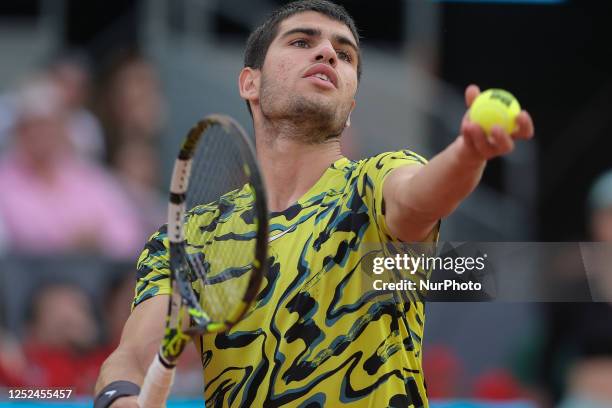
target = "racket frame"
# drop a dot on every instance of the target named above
(178, 331)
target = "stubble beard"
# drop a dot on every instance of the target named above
(311, 120)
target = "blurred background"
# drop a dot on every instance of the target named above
(95, 97)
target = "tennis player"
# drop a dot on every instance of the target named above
(313, 338)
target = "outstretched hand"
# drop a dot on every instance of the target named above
(478, 145)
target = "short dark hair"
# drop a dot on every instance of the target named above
(260, 39)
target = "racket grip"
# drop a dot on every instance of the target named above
(157, 384)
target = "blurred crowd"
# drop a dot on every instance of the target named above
(87, 181)
(566, 361)
(79, 176)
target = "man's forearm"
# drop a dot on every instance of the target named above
(140, 339)
(120, 365)
(440, 186)
(417, 198)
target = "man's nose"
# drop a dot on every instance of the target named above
(326, 54)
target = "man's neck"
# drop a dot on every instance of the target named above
(290, 167)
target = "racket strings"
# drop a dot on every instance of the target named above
(222, 225)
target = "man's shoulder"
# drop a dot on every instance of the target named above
(375, 167)
(380, 159)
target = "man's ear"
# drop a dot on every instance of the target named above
(348, 119)
(248, 83)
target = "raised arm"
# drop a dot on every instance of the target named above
(417, 196)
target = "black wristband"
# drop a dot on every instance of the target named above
(115, 390)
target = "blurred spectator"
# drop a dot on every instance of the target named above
(61, 340)
(443, 372)
(53, 200)
(71, 74)
(574, 364)
(13, 365)
(600, 206)
(497, 385)
(136, 165)
(131, 105)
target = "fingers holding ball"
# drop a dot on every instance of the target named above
(495, 107)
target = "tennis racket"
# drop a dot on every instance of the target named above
(218, 238)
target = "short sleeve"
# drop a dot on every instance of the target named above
(374, 170)
(152, 269)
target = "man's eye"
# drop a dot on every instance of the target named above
(300, 43)
(343, 55)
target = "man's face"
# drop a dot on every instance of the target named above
(309, 75)
(43, 139)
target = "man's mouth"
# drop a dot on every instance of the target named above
(323, 75)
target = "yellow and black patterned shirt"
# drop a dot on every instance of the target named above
(316, 336)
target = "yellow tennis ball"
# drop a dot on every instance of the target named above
(495, 107)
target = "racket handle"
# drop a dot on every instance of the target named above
(156, 386)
